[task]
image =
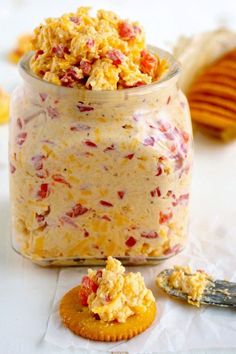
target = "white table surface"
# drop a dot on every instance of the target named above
(26, 290)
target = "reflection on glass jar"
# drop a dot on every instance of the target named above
(99, 173)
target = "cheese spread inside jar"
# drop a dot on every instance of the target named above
(100, 154)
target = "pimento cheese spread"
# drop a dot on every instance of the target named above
(192, 284)
(98, 53)
(113, 295)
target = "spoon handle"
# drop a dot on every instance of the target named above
(221, 293)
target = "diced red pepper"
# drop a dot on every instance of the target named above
(105, 217)
(12, 168)
(149, 141)
(40, 217)
(38, 53)
(38, 161)
(83, 108)
(131, 241)
(96, 316)
(164, 126)
(170, 135)
(90, 143)
(99, 273)
(163, 218)
(148, 63)
(130, 156)
(159, 171)
(183, 199)
(150, 234)
(179, 161)
(89, 284)
(20, 139)
(79, 127)
(105, 203)
(43, 96)
(60, 179)
(107, 298)
(19, 123)
(121, 194)
(86, 66)
(66, 219)
(77, 210)
(155, 192)
(126, 30)
(70, 77)
(83, 296)
(136, 84)
(86, 233)
(60, 50)
(116, 56)
(43, 191)
(109, 148)
(52, 112)
(75, 19)
(185, 136)
(173, 148)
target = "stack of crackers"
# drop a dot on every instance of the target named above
(212, 97)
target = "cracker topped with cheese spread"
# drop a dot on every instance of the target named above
(109, 305)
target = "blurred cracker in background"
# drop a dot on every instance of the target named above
(4, 106)
(209, 81)
(23, 46)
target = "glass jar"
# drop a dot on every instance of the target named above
(98, 173)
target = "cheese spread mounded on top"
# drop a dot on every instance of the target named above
(113, 295)
(98, 53)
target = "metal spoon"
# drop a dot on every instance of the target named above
(218, 292)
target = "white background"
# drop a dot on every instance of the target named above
(26, 291)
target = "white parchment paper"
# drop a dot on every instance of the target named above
(178, 326)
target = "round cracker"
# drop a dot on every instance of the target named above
(79, 320)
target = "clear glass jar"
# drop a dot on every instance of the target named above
(98, 173)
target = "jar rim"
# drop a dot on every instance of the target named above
(171, 74)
